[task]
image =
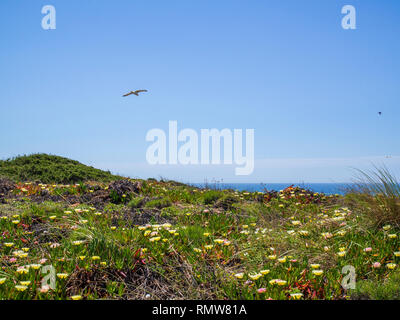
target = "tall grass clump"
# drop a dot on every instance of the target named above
(378, 191)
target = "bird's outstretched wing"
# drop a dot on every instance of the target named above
(136, 93)
(125, 95)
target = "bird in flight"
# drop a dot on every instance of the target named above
(136, 93)
(380, 113)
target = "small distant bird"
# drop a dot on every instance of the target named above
(136, 93)
(380, 113)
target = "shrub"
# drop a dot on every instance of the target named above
(159, 203)
(210, 196)
(51, 169)
(378, 290)
(378, 193)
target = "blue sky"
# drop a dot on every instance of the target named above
(310, 89)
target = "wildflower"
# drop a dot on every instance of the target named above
(392, 236)
(255, 276)
(318, 272)
(261, 290)
(296, 223)
(67, 212)
(342, 249)
(280, 282)
(8, 244)
(35, 266)
(327, 235)
(42, 260)
(154, 239)
(264, 272)
(77, 242)
(245, 226)
(62, 275)
(82, 257)
(52, 217)
(239, 275)
(282, 260)
(15, 221)
(77, 297)
(146, 233)
(25, 283)
(103, 263)
(315, 266)
(2, 280)
(386, 227)
(95, 258)
(341, 253)
(54, 245)
(397, 254)
(368, 249)
(291, 232)
(296, 296)
(209, 246)
(44, 289)
(376, 265)
(391, 265)
(219, 241)
(22, 270)
(196, 250)
(304, 232)
(113, 227)
(25, 249)
(21, 288)
(227, 242)
(272, 257)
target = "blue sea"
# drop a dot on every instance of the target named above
(327, 188)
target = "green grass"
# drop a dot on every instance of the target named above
(51, 169)
(172, 241)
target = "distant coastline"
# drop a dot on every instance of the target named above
(328, 188)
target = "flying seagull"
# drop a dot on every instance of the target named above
(136, 93)
(380, 113)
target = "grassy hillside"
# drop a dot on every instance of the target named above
(51, 169)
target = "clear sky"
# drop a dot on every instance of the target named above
(286, 68)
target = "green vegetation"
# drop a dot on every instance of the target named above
(51, 169)
(134, 239)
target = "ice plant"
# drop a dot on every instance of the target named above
(296, 296)
(318, 272)
(21, 288)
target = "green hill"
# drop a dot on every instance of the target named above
(51, 169)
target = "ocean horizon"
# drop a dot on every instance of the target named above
(327, 188)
